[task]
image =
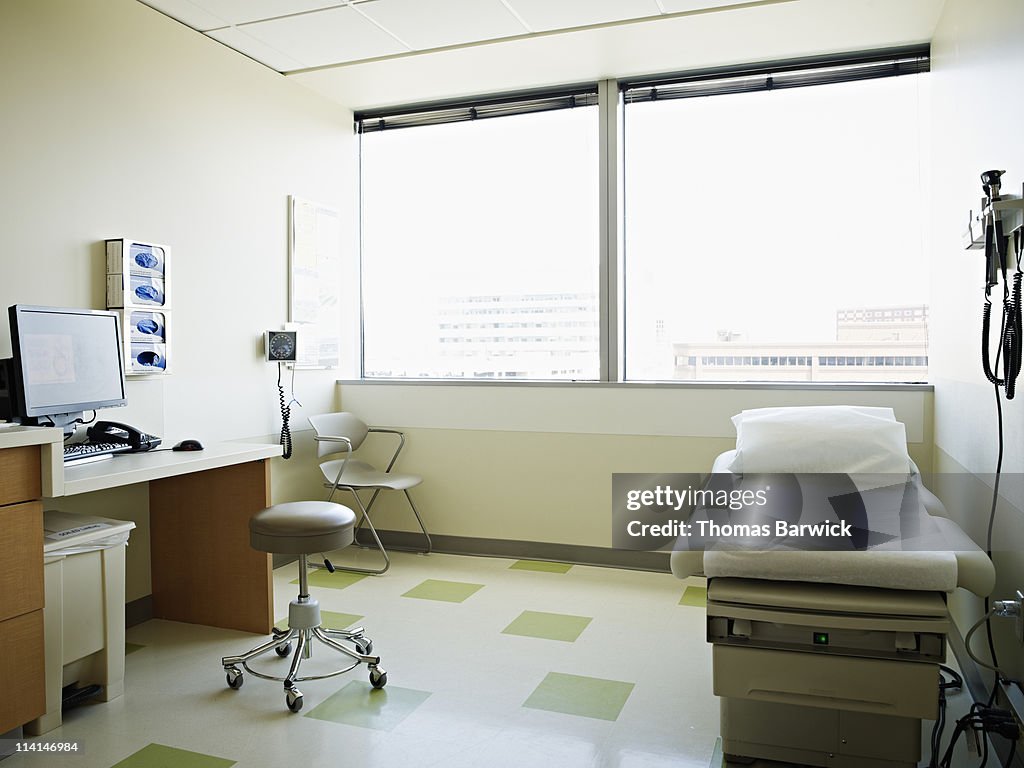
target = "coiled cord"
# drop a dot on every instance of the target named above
(286, 414)
(1011, 336)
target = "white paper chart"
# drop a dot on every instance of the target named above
(315, 282)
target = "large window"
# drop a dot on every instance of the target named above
(776, 234)
(770, 229)
(480, 244)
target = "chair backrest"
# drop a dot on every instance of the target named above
(342, 424)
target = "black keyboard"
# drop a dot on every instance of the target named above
(82, 451)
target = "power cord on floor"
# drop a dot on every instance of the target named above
(981, 722)
(955, 682)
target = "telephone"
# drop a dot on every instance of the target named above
(116, 432)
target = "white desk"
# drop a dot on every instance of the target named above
(200, 502)
(131, 468)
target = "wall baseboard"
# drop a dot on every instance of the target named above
(523, 550)
(138, 611)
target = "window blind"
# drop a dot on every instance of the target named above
(482, 108)
(766, 77)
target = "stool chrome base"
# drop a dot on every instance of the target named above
(303, 627)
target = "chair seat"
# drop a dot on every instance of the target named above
(359, 474)
(302, 527)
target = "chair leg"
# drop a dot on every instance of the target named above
(259, 650)
(297, 656)
(376, 538)
(324, 638)
(420, 521)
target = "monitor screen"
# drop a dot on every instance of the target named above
(66, 360)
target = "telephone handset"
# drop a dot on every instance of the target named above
(116, 432)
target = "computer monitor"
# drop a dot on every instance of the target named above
(65, 362)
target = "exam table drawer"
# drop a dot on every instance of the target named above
(881, 686)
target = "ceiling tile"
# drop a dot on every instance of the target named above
(263, 53)
(678, 6)
(543, 15)
(325, 37)
(187, 13)
(242, 11)
(443, 22)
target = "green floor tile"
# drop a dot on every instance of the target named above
(362, 705)
(132, 648)
(583, 696)
(336, 580)
(159, 756)
(550, 626)
(446, 591)
(329, 619)
(540, 565)
(695, 596)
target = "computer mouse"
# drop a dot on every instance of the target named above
(188, 445)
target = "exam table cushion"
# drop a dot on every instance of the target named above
(957, 561)
(820, 439)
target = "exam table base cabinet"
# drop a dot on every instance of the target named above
(855, 702)
(21, 587)
(821, 737)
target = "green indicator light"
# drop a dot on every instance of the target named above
(821, 638)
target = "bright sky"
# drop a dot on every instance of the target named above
(766, 212)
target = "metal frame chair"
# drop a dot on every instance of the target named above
(343, 432)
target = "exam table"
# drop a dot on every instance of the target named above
(832, 658)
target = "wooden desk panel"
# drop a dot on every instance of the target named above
(204, 571)
(21, 562)
(21, 583)
(21, 670)
(20, 473)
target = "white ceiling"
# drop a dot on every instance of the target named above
(366, 53)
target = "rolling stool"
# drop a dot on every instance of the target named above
(303, 528)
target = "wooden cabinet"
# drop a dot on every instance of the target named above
(21, 587)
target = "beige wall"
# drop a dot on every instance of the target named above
(120, 122)
(977, 68)
(535, 463)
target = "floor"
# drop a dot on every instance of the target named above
(491, 662)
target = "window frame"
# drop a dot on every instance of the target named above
(611, 97)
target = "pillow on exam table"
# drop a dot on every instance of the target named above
(820, 439)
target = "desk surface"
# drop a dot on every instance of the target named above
(127, 469)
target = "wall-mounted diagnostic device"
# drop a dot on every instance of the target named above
(998, 229)
(282, 346)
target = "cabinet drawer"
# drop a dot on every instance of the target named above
(21, 671)
(20, 470)
(880, 686)
(21, 566)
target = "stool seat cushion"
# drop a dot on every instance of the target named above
(302, 527)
